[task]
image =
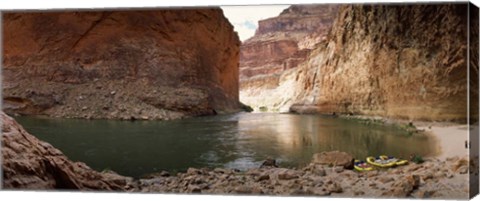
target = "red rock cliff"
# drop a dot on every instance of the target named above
(282, 42)
(279, 45)
(401, 61)
(160, 64)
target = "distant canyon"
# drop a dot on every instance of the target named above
(403, 62)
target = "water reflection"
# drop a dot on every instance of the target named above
(294, 138)
(237, 141)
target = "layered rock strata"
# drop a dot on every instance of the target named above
(136, 64)
(396, 61)
(399, 61)
(280, 43)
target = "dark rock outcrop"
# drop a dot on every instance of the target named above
(136, 64)
(28, 163)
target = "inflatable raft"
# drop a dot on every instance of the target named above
(362, 166)
(385, 161)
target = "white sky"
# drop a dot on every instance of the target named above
(245, 18)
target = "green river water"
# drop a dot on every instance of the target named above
(241, 141)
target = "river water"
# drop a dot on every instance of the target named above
(239, 141)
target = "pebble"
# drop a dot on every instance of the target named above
(320, 192)
(385, 179)
(357, 193)
(427, 176)
(338, 169)
(219, 170)
(354, 181)
(198, 181)
(425, 193)
(372, 173)
(193, 171)
(463, 170)
(257, 190)
(286, 177)
(413, 168)
(439, 174)
(413, 180)
(243, 190)
(164, 174)
(194, 189)
(224, 177)
(318, 183)
(335, 188)
(319, 171)
(263, 177)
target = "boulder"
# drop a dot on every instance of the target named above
(335, 158)
(29, 163)
(269, 162)
(403, 187)
(460, 166)
(263, 177)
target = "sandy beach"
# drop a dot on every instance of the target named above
(450, 139)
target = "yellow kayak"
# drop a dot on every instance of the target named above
(385, 161)
(362, 166)
(397, 161)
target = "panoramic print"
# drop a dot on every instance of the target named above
(324, 100)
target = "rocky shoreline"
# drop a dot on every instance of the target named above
(432, 179)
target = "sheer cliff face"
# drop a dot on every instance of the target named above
(405, 61)
(278, 47)
(281, 43)
(120, 64)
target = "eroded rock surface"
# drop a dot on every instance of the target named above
(432, 179)
(28, 163)
(280, 43)
(406, 61)
(136, 64)
(403, 62)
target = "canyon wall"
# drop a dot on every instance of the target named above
(473, 71)
(28, 163)
(400, 61)
(284, 41)
(135, 64)
(280, 43)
